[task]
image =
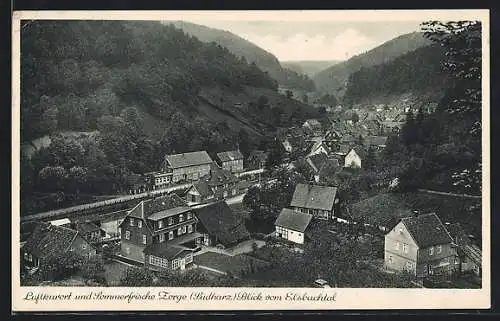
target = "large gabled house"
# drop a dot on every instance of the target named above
(222, 182)
(220, 225)
(199, 192)
(231, 161)
(320, 201)
(48, 239)
(154, 225)
(420, 245)
(291, 225)
(187, 166)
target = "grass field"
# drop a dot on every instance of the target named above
(225, 263)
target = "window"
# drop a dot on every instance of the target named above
(139, 224)
(400, 231)
(397, 246)
(189, 258)
(184, 229)
(158, 261)
(431, 251)
(179, 231)
(409, 265)
(189, 216)
(170, 220)
(175, 264)
(439, 249)
(225, 193)
(171, 235)
(190, 228)
(193, 198)
(405, 248)
(131, 222)
(144, 239)
(127, 235)
(181, 218)
(162, 238)
(30, 258)
(160, 224)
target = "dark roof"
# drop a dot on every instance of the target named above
(188, 159)
(165, 250)
(384, 209)
(317, 160)
(229, 156)
(49, 239)
(218, 176)
(293, 220)
(376, 140)
(314, 196)
(427, 230)
(203, 188)
(86, 227)
(170, 212)
(220, 221)
(159, 204)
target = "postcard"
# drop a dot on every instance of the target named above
(250, 160)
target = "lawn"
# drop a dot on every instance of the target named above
(225, 263)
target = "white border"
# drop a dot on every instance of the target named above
(345, 298)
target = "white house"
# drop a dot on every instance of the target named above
(291, 225)
(352, 160)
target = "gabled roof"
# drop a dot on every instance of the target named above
(229, 155)
(384, 209)
(317, 145)
(218, 176)
(427, 230)
(293, 220)
(317, 160)
(314, 196)
(169, 212)
(259, 154)
(203, 188)
(188, 159)
(376, 140)
(48, 239)
(165, 250)
(220, 221)
(149, 207)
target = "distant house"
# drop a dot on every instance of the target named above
(320, 201)
(48, 239)
(231, 161)
(469, 254)
(313, 127)
(291, 225)
(152, 226)
(376, 142)
(136, 184)
(332, 136)
(187, 166)
(319, 147)
(90, 231)
(220, 225)
(257, 159)
(420, 245)
(158, 180)
(222, 182)
(199, 192)
(352, 160)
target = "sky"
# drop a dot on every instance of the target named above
(314, 40)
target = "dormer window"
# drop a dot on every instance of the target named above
(160, 224)
(189, 215)
(181, 218)
(131, 222)
(439, 249)
(170, 220)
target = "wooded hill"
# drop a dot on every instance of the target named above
(334, 79)
(252, 53)
(309, 67)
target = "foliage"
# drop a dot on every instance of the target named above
(59, 266)
(93, 269)
(175, 278)
(137, 277)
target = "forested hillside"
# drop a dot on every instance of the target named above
(309, 67)
(333, 79)
(145, 90)
(253, 54)
(419, 72)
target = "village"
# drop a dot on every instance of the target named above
(202, 215)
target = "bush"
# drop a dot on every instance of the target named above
(93, 269)
(60, 266)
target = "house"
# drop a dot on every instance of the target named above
(199, 192)
(231, 161)
(332, 135)
(319, 147)
(376, 142)
(136, 184)
(173, 257)
(223, 183)
(187, 166)
(320, 201)
(420, 245)
(158, 180)
(469, 254)
(220, 225)
(154, 225)
(291, 225)
(316, 161)
(352, 159)
(48, 239)
(90, 231)
(257, 159)
(313, 127)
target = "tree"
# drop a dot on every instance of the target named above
(137, 277)
(58, 266)
(93, 269)
(276, 154)
(52, 178)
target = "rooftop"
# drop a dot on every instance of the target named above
(49, 239)
(188, 159)
(314, 197)
(427, 230)
(229, 155)
(293, 220)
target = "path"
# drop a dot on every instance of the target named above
(448, 194)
